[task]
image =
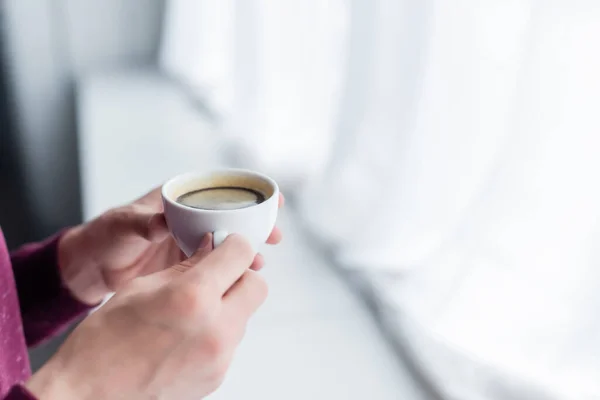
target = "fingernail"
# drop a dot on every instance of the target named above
(206, 241)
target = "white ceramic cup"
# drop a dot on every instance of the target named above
(188, 225)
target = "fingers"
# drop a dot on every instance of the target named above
(176, 270)
(222, 267)
(258, 263)
(275, 236)
(204, 249)
(152, 199)
(245, 296)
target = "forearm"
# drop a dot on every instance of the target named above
(49, 383)
(46, 384)
(47, 305)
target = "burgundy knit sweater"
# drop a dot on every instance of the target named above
(34, 305)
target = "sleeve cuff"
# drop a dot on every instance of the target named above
(47, 305)
(19, 393)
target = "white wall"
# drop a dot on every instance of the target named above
(49, 43)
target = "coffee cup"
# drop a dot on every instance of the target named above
(220, 202)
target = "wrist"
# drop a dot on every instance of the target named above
(77, 271)
(50, 384)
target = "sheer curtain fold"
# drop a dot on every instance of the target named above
(453, 144)
(197, 49)
(437, 109)
(270, 69)
(514, 284)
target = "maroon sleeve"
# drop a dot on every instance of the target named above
(19, 393)
(47, 306)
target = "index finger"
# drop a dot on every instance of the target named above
(223, 266)
(152, 199)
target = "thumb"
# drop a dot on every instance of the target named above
(147, 225)
(204, 249)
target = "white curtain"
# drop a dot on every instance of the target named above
(272, 71)
(447, 150)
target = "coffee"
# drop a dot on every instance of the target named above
(221, 198)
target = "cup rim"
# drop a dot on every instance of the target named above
(199, 174)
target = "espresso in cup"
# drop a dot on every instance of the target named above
(221, 198)
(223, 192)
(221, 202)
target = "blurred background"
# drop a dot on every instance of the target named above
(440, 161)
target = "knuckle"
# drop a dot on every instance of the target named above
(123, 213)
(133, 209)
(117, 218)
(187, 301)
(127, 218)
(114, 212)
(215, 346)
(110, 218)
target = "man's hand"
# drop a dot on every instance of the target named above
(168, 335)
(102, 255)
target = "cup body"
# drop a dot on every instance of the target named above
(188, 225)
